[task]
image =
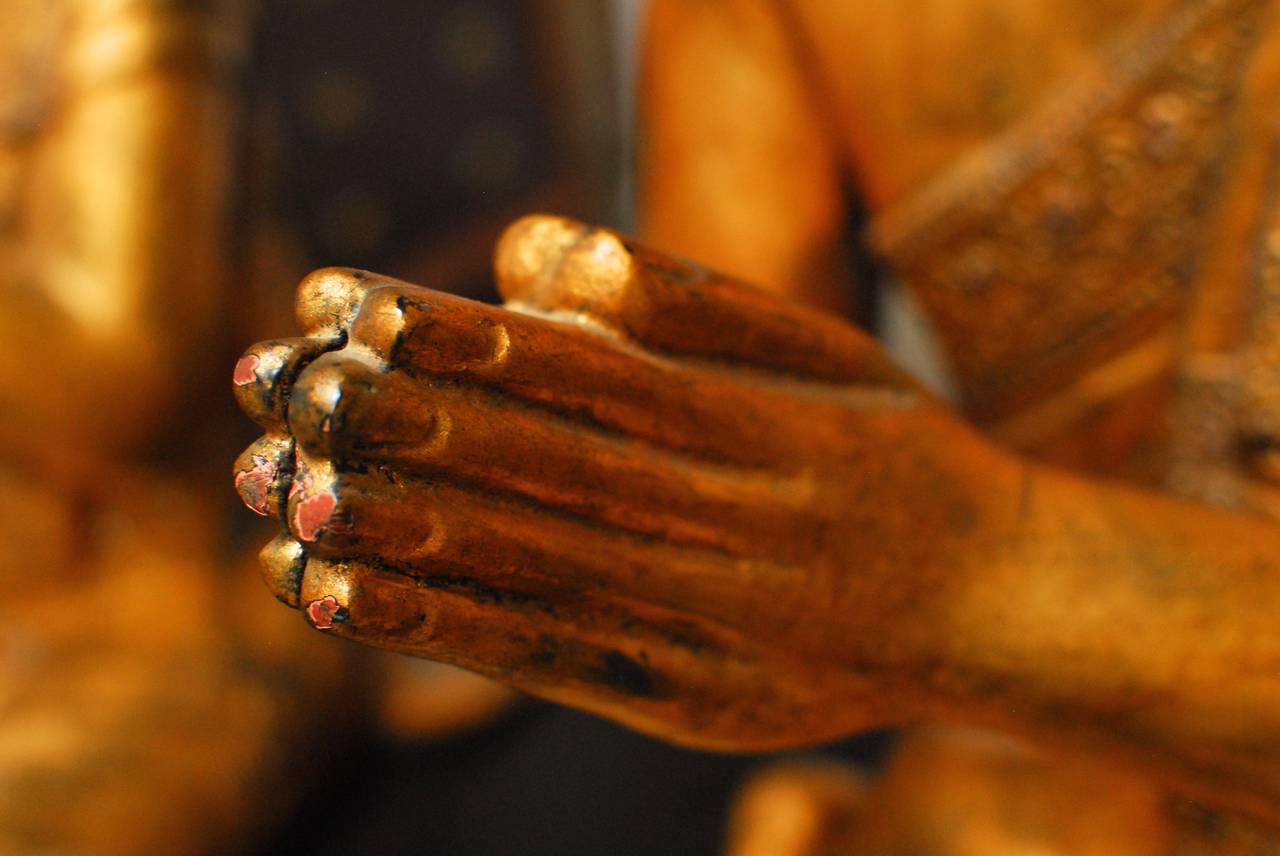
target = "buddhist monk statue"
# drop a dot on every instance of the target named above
(706, 510)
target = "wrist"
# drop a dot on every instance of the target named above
(1125, 623)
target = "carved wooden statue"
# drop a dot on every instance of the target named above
(696, 507)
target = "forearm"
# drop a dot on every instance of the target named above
(1135, 624)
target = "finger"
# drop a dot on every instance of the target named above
(282, 561)
(346, 409)
(441, 530)
(557, 265)
(265, 373)
(577, 372)
(572, 651)
(263, 474)
(494, 631)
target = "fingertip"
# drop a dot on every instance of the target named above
(263, 374)
(312, 504)
(283, 561)
(312, 515)
(327, 592)
(529, 253)
(364, 602)
(263, 473)
(328, 299)
(381, 323)
(321, 400)
(595, 277)
(558, 265)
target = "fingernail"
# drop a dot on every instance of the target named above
(322, 613)
(313, 514)
(245, 371)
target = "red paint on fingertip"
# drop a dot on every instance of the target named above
(322, 612)
(312, 514)
(246, 370)
(254, 486)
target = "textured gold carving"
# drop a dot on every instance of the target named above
(1023, 252)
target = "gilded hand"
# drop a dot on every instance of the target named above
(640, 488)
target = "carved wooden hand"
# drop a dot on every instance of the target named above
(660, 495)
(640, 488)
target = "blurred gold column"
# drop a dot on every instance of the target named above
(114, 251)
